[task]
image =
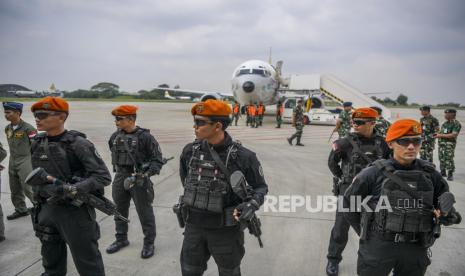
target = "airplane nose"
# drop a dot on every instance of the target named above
(248, 86)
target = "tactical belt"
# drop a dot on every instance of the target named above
(125, 169)
(207, 219)
(405, 237)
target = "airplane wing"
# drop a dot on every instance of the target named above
(202, 95)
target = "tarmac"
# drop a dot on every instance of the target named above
(295, 243)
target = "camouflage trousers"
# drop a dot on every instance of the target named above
(426, 151)
(343, 132)
(446, 156)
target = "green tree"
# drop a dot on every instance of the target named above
(402, 99)
(106, 89)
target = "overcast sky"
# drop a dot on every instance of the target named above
(411, 47)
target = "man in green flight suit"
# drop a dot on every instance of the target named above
(430, 126)
(447, 136)
(19, 135)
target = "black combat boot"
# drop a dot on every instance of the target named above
(332, 268)
(450, 177)
(147, 251)
(443, 172)
(116, 246)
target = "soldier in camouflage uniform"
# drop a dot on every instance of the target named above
(447, 136)
(430, 126)
(382, 124)
(298, 123)
(344, 122)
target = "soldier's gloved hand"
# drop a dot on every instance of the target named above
(50, 190)
(69, 190)
(246, 210)
(453, 217)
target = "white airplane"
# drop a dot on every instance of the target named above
(252, 81)
(257, 81)
(168, 96)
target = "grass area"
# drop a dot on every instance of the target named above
(117, 99)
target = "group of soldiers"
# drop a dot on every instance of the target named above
(446, 134)
(369, 166)
(64, 176)
(223, 187)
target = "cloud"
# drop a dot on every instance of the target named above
(413, 47)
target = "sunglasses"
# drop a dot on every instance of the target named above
(200, 123)
(361, 122)
(405, 142)
(119, 118)
(44, 115)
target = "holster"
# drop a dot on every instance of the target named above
(365, 224)
(44, 233)
(178, 211)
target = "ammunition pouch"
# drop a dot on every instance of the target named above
(203, 197)
(208, 219)
(401, 220)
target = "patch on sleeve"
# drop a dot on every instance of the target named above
(260, 170)
(32, 134)
(335, 146)
(97, 154)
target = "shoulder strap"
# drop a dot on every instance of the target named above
(356, 148)
(386, 169)
(217, 159)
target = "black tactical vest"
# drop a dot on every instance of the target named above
(57, 158)
(206, 187)
(409, 214)
(125, 148)
(356, 161)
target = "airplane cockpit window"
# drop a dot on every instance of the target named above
(258, 72)
(243, 72)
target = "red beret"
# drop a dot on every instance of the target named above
(211, 108)
(403, 127)
(124, 110)
(364, 113)
(52, 104)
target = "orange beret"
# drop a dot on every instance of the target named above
(124, 110)
(403, 127)
(211, 108)
(364, 113)
(52, 104)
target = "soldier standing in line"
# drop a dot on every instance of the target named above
(136, 156)
(382, 124)
(253, 113)
(343, 123)
(298, 123)
(447, 142)
(212, 212)
(19, 135)
(68, 156)
(398, 237)
(348, 157)
(429, 126)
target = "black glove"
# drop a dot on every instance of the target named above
(247, 209)
(452, 218)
